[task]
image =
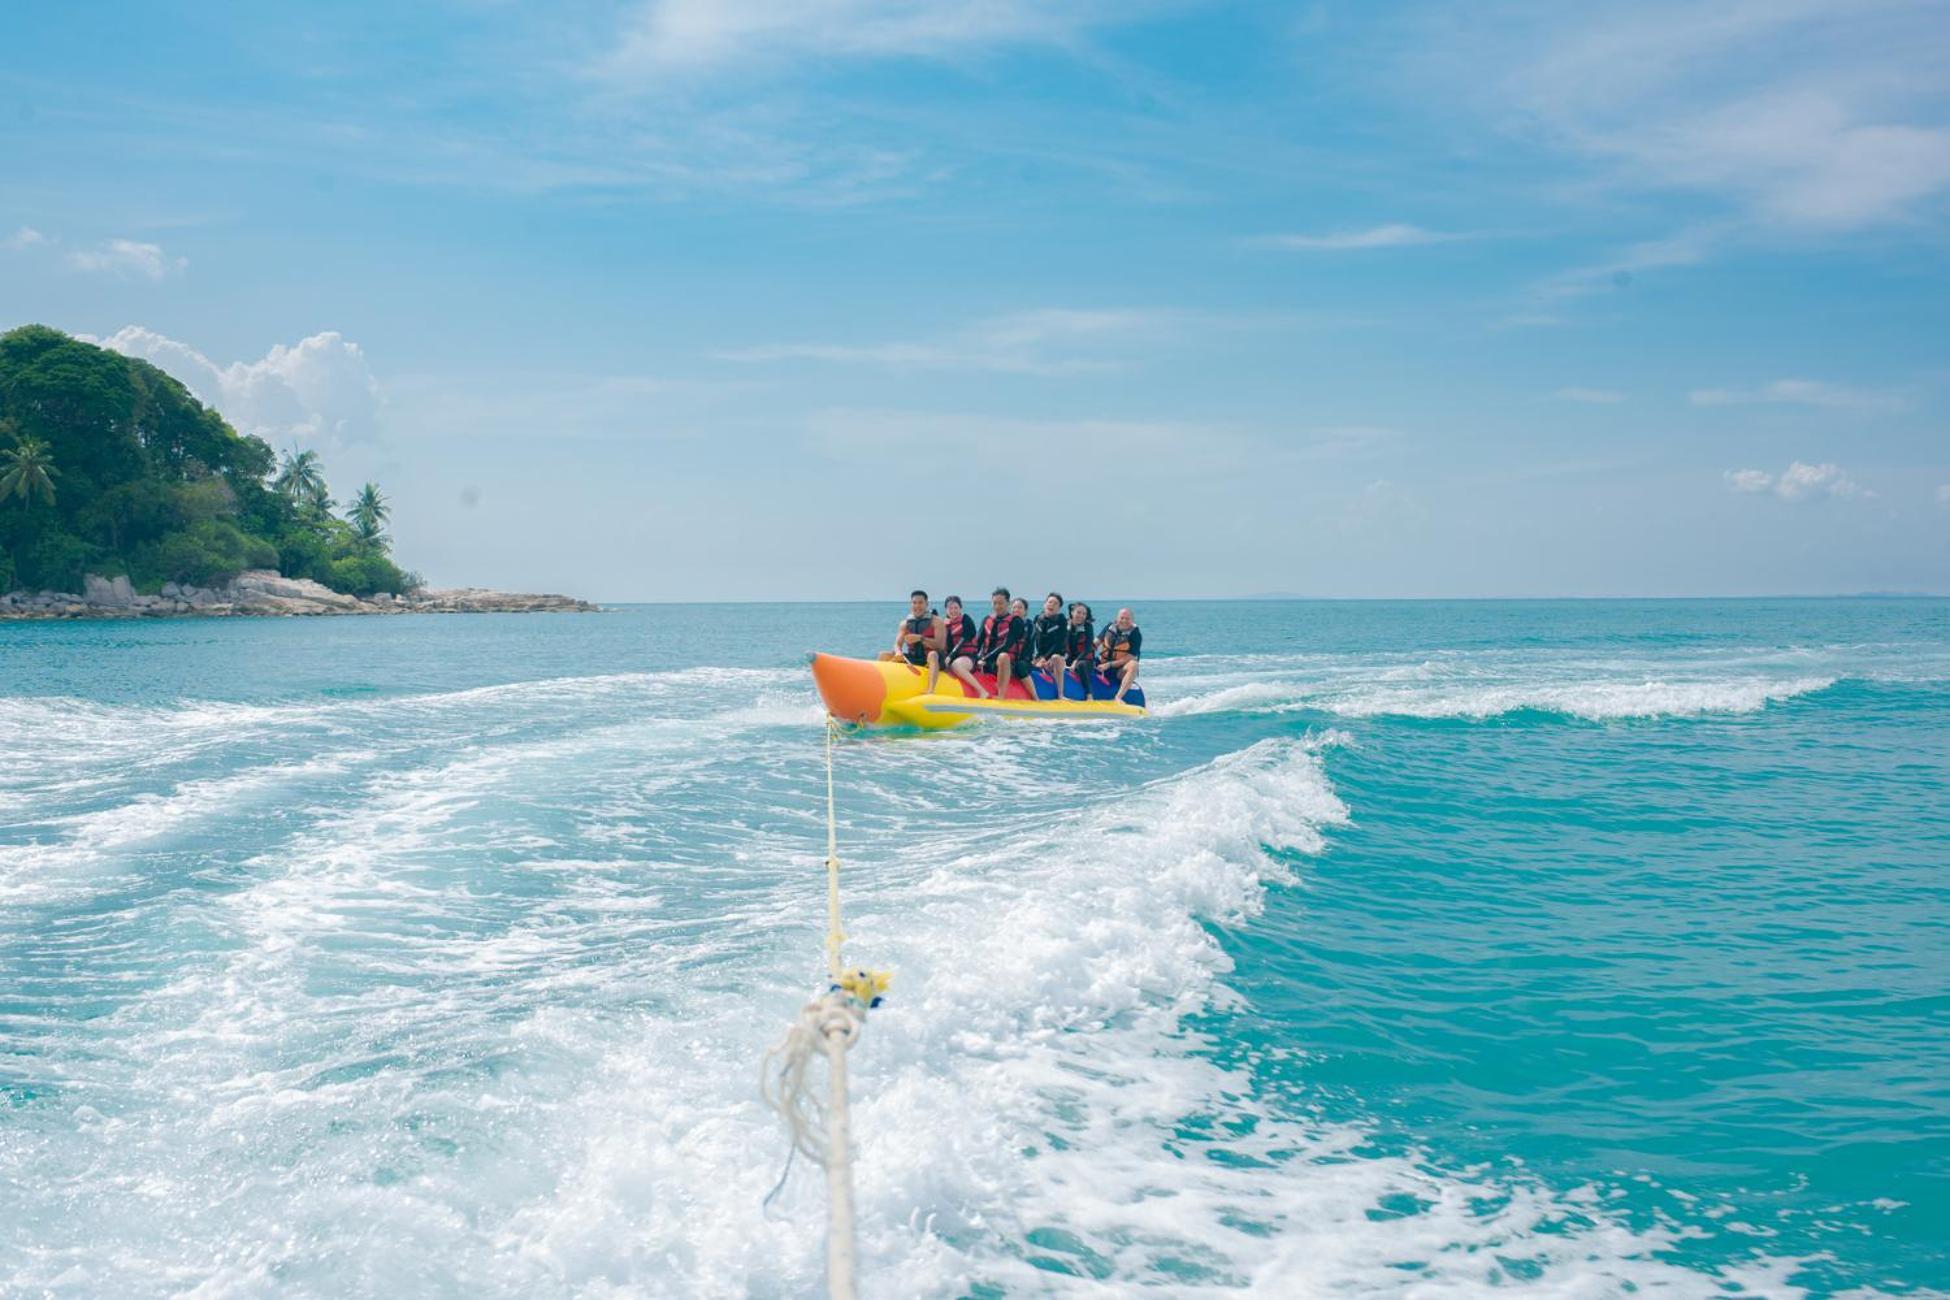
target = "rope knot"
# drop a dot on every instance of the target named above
(867, 987)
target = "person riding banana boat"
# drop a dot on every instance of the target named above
(944, 669)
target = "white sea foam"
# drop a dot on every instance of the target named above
(42, 862)
(388, 1074)
(1594, 700)
(1246, 697)
(1430, 689)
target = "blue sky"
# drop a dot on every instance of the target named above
(684, 299)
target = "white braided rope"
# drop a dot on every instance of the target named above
(829, 1025)
(785, 1082)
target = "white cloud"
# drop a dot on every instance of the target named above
(945, 441)
(318, 391)
(1393, 235)
(561, 404)
(1798, 482)
(677, 36)
(1592, 396)
(1344, 442)
(1047, 341)
(1805, 392)
(22, 239)
(1811, 114)
(127, 257)
(1686, 248)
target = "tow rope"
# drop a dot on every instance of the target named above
(828, 1025)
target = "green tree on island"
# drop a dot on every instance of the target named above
(301, 479)
(26, 470)
(156, 486)
(369, 515)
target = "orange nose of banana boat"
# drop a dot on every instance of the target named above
(854, 689)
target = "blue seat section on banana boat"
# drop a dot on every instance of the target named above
(892, 693)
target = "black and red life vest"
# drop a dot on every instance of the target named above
(918, 625)
(1082, 644)
(1002, 634)
(961, 638)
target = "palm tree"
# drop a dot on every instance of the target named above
(300, 477)
(369, 514)
(27, 469)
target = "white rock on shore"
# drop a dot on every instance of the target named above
(265, 592)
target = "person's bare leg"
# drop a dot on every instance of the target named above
(1005, 667)
(1126, 677)
(1054, 667)
(934, 670)
(964, 668)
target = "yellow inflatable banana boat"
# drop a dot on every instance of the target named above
(892, 693)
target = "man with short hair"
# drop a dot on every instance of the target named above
(1048, 637)
(1119, 650)
(1000, 645)
(918, 634)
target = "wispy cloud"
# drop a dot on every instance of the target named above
(22, 239)
(945, 440)
(662, 37)
(1392, 235)
(564, 404)
(1342, 442)
(128, 257)
(1800, 481)
(1685, 248)
(1805, 392)
(1814, 114)
(1047, 341)
(1591, 396)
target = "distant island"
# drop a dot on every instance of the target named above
(121, 494)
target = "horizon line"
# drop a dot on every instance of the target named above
(1277, 598)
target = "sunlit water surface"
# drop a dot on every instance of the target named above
(1561, 948)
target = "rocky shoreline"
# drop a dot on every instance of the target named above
(266, 593)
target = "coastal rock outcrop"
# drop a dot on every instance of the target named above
(265, 592)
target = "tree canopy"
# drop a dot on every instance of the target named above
(110, 466)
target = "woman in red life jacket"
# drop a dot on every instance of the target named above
(959, 638)
(1080, 645)
(918, 635)
(1021, 661)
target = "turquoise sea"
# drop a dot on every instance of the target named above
(1554, 948)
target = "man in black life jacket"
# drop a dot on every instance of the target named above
(918, 634)
(1080, 645)
(959, 638)
(1120, 646)
(1000, 644)
(1049, 641)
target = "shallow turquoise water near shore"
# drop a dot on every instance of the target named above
(1556, 947)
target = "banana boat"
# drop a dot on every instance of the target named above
(894, 693)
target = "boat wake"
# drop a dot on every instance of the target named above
(475, 1008)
